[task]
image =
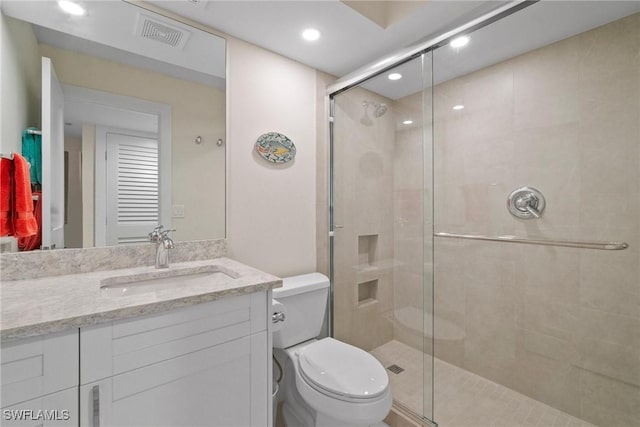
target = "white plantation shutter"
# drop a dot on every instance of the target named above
(132, 188)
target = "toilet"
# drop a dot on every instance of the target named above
(327, 383)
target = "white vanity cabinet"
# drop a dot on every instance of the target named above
(203, 365)
(40, 380)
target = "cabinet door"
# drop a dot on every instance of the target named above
(210, 387)
(117, 347)
(34, 367)
(58, 409)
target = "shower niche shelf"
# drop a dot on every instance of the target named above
(367, 292)
(367, 250)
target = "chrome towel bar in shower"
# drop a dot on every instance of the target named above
(605, 246)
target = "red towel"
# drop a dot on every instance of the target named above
(24, 222)
(6, 226)
(34, 242)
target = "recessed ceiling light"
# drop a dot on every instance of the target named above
(394, 76)
(311, 34)
(71, 8)
(458, 107)
(460, 41)
(407, 122)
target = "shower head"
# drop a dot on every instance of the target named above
(380, 110)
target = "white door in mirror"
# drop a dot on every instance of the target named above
(132, 187)
(52, 158)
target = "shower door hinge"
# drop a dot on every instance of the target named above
(330, 119)
(331, 234)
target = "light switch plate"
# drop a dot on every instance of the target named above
(178, 211)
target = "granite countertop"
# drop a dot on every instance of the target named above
(52, 304)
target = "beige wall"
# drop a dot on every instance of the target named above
(198, 171)
(88, 184)
(560, 325)
(20, 82)
(73, 209)
(271, 208)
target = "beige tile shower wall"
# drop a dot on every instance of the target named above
(409, 195)
(363, 171)
(560, 325)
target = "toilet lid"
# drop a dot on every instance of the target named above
(342, 369)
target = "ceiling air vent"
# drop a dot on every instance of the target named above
(154, 29)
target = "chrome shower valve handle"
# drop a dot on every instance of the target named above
(526, 203)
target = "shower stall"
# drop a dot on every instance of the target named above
(485, 218)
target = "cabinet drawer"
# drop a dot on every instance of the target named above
(117, 347)
(34, 367)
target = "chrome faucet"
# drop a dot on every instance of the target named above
(163, 244)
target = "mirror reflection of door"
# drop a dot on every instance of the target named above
(52, 158)
(126, 187)
(132, 186)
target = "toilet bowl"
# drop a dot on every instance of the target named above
(327, 383)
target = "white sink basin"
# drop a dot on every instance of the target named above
(164, 280)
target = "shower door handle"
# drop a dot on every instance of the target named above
(335, 227)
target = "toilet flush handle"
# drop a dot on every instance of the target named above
(278, 317)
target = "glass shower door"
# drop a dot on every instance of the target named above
(544, 332)
(381, 218)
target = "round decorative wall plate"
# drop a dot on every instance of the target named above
(275, 147)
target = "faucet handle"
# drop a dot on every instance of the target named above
(165, 233)
(156, 233)
(167, 241)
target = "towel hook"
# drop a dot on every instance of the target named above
(199, 141)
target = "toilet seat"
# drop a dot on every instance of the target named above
(342, 371)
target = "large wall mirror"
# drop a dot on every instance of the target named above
(131, 108)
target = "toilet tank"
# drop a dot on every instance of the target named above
(305, 301)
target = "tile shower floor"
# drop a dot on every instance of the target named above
(464, 399)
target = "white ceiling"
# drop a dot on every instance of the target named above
(109, 30)
(122, 56)
(349, 40)
(77, 112)
(535, 26)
